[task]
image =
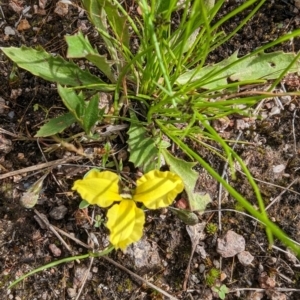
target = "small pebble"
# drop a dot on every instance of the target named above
(278, 168)
(275, 295)
(55, 250)
(59, 212)
(11, 114)
(254, 295)
(71, 292)
(231, 244)
(201, 268)
(245, 258)
(265, 281)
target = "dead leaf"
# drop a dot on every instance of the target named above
(61, 9)
(16, 5)
(39, 11)
(23, 25)
(42, 4)
(196, 233)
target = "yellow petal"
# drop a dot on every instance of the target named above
(99, 188)
(158, 189)
(125, 222)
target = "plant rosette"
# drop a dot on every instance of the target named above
(125, 220)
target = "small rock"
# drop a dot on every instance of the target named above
(241, 124)
(275, 111)
(253, 295)
(278, 168)
(11, 114)
(231, 244)
(61, 9)
(9, 30)
(285, 100)
(207, 295)
(15, 93)
(223, 276)
(59, 212)
(265, 281)
(71, 292)
(291, 257)
(79, 275)
(216, 263)
(201, 250)
(275, 295)
(272, 261)
(5, 145)
(292, 107)
(245, 258)
(202, 268)
(195, 279)
(144, 257)
(55, 250)
(23, 25)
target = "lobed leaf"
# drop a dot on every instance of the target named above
(74, 102)
(261, 66)
(55, 69)
(143, 151)
(79, 46)
(197, 201)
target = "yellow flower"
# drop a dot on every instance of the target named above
(155, 189)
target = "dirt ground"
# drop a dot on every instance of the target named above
(271, 153)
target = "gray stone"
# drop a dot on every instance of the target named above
(59, 212)
(245, 258)
(231, 244)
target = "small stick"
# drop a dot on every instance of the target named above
(50, 227)
(49, 164)
(85, 278)
(139, 278)
(279, 196)
(72, 237)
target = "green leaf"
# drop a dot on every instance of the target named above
(56, 125)
(261, 66)
(48, 67)
(91, 113)
(94, 10)
(117, 22)
(98, 17)
(74, 102)
(79, 46)
(103, 65)
(164, 5)
(83, 204)
(197, 201)
(187, 216)
(143, 151)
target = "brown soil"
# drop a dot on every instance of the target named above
(24, 245)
